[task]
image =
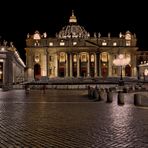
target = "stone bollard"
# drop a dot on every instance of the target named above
(89, 91)
(97, 96)
(101, 94)
(95, 93)
(137, 99)
(120, 98)
(109, 96)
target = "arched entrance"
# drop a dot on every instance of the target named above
(92, 65)
(37, 71)
(104, 64)
(74, 66)
(62, 64)
(104, 70)
(128, 70)
(83, 65)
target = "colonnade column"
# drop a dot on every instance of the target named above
(88, 66)
(78, 66)
(110, 64)
(71, 71)
(133, 65)
(56, 65)
(44, 64)
(96, 65)
(67, 65)
(30, 66)
(47, 67)
(99, 64)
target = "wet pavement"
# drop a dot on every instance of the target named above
(68, 119)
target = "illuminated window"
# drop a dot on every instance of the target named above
(114, 44)
(50, 43)
(62, 57)
(62, 43)
(83, 58)
(146, 72)
(3, 49)
(92, 58)
(104, 57)
(104, 43)
(74, 43)
(75, 58)
(128, 43)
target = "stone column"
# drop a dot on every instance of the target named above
(30, 67)
(78, 65)
(44, 64)
(99, 63)
(14, 72)
(133, 64)
(96, 65)
(47, 66)
(110, 63)
(67, 64)
(88, 65)
(71, 70)
(56, 65)
(137, 99)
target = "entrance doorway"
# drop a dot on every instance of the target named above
(37, 71)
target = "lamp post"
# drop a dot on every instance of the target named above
(121, 61)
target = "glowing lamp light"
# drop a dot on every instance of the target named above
(121, 61)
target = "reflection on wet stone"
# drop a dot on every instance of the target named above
(61, 118)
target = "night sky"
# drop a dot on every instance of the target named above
(95, 16)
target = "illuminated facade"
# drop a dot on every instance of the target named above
(74, 53)
(11, 65)
(142, 64)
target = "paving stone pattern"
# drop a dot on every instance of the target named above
(68, 119)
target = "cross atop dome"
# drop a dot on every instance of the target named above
(72, 18)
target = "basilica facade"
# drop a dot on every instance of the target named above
(73, 52)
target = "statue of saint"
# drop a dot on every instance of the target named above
(95, 36)
(109, 35)
(11, 44)
(99, 35)
(5, 43)
(28, 35)
(45, 34)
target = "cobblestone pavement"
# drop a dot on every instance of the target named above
(68, 119)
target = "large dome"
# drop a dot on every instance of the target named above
(73, 30)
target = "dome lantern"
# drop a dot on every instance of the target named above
(72, 18)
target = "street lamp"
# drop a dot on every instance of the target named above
(121, 61)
